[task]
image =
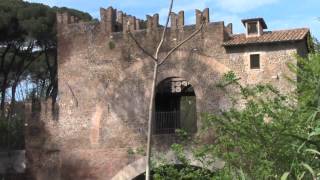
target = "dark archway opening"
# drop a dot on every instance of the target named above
(175, 106)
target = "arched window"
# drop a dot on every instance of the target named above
(175, 105)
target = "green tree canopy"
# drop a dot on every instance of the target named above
(24, 20)
(28, 50)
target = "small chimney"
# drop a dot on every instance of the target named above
(254, 27)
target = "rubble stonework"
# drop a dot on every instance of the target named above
(105, 82)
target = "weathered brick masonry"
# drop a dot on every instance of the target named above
(104, 87)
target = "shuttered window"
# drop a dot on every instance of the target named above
(255, 61)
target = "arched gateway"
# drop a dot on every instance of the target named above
(132, 170)
(175, 106)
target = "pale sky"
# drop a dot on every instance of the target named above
(278, 14)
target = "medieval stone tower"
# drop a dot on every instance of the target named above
(105, 80)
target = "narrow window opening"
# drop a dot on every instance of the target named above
(255, 61)
(252, 28)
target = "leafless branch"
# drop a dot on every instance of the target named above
(152, 99)
(164, 31)
(73, 94)
(141, 48)
(181, 43)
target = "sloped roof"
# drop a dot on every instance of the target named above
(268, 37)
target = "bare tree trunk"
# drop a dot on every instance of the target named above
(6, 71)
(158, 62)
(13, 96)
(5, 79)
(3, 95)
(22, 66)
(151, 113)
(153, 89)
(52, 90)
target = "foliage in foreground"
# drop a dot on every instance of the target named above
(274, 136)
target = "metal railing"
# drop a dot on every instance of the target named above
(167, 122)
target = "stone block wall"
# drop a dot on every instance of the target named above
(274, 62)
(104, 89)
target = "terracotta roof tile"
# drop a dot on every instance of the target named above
(268, 37)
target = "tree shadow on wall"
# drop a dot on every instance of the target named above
(129, 99)
(77, 169)
(43, 155)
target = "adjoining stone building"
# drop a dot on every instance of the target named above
(105, 80)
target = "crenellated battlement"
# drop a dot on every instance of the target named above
(117, 21)
(113, 20)
(177, 20)
(66, 18)
(202, 16)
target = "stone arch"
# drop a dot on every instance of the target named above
(138, 167)
(170, 77)
(203, 72)
(200, 70)
(132, 170)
